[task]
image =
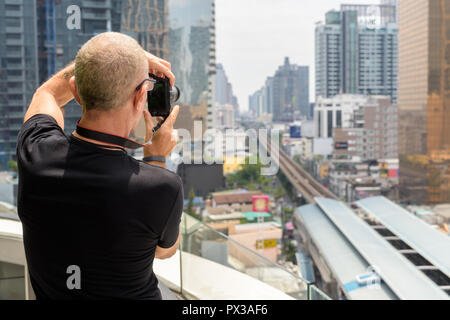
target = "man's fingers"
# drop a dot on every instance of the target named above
(173, 116)
(168, 74)
(166, 63)
(148, 125)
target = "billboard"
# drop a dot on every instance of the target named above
(341, 146)
(260, 203)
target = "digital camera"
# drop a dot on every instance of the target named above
(161, 98)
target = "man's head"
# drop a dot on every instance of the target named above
(108, 69)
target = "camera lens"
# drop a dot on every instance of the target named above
(174, 94)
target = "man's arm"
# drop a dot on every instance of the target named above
(163, 253)
(52, 95)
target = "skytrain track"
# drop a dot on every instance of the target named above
(305, 184)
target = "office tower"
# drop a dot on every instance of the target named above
(18, 70)
(147, 22)
(290, 91)
(192, 51)
(356, 51)
(424, 101)
(224, 89)
(255, 103)
(268, 96)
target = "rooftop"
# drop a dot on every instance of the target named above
(229, 198)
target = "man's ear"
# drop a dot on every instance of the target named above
(140, 98)
(74, 90)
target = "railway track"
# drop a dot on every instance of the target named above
(308, 187)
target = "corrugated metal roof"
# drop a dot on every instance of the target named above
(339, 254)
(403, 278)
(428, 242)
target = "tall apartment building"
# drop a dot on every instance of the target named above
(328, 56)
(285, 94)
(18, 70)
(224, 89)
(290, 91)
(424, 101)
(356, 51)
(361, 126)
(192, 51)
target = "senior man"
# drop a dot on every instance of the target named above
(94, 218)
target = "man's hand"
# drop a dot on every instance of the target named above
(164, 139)
(160, 67)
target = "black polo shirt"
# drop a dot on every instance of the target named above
(93, 209)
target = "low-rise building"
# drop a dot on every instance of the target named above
(240, 197)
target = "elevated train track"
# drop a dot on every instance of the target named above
(305, 184)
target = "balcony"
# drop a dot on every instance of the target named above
(192, 273)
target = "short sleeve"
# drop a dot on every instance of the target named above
(170, 234)
(36, 129)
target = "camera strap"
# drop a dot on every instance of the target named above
(117, 140)
(108, 138)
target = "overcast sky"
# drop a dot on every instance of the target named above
(254, 36)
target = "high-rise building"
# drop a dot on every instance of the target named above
(356, 51)
(192, 51)
(327, 56)
(255, 103)
(224, 90)
(268, 96)
(424, 100)
(147, 22)
(285, 95)
(18, 70)
(290, 91)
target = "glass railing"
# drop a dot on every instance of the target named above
(214, 266)
(317, 294)
(209, 265)
(12, 281)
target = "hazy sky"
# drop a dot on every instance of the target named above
(254, 36)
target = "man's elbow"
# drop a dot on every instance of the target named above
(165, 254)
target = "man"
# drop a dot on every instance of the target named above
(93, 217)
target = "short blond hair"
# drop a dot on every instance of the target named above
(106, 68)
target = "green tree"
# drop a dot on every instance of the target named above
(12, 166)
(289, 252)
(249, 176)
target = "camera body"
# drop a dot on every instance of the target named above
(161, 98)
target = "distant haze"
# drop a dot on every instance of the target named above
(254, 36)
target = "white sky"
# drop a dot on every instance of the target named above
(254, 36)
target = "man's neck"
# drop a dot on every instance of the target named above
(106, 124)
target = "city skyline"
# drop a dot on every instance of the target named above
(238, 47)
